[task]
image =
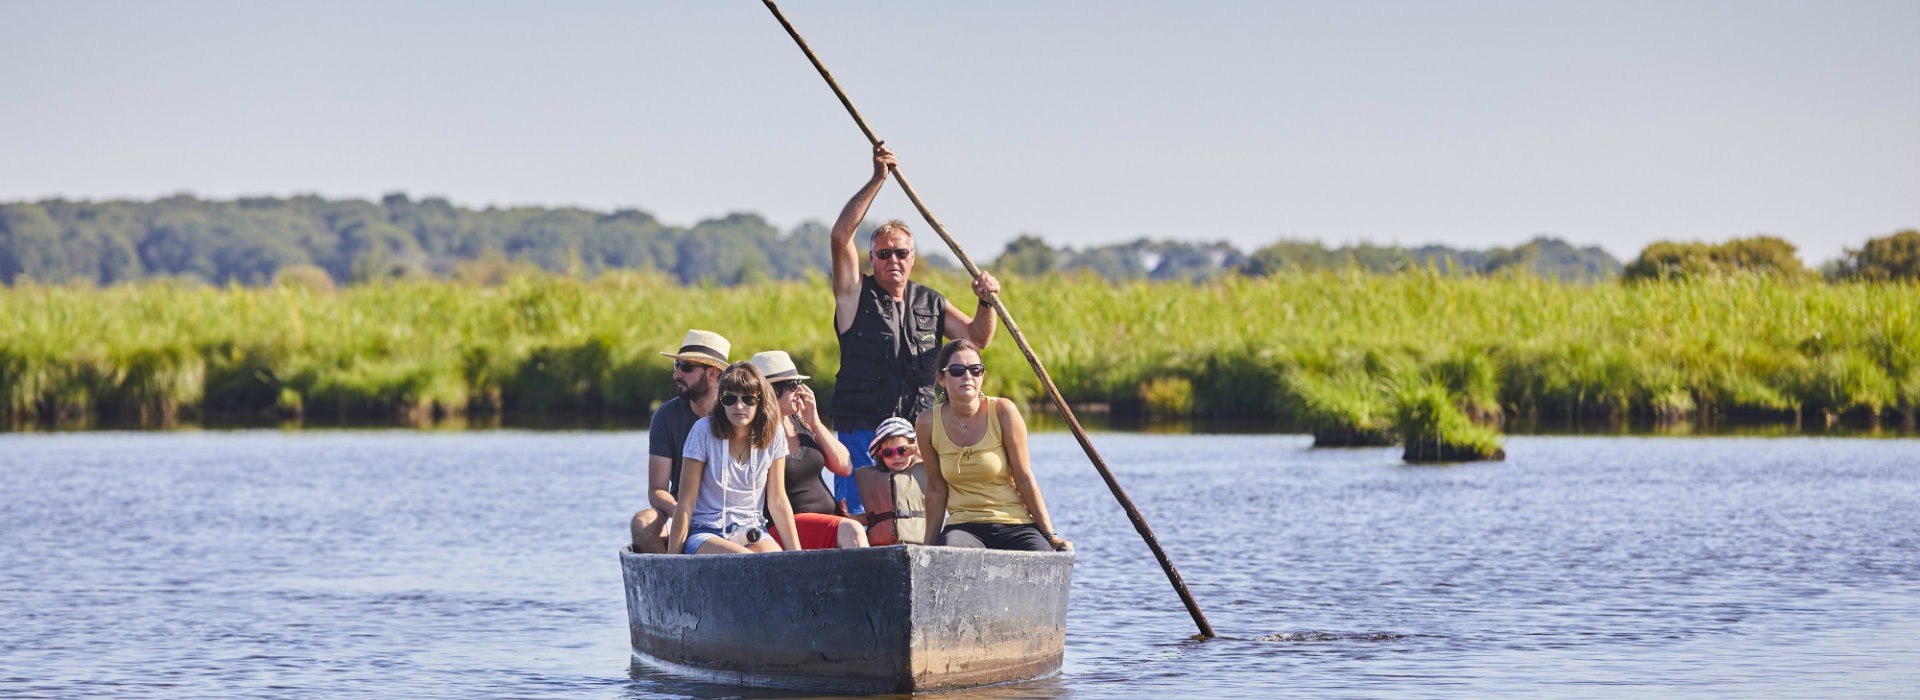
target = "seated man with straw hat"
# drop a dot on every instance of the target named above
(696, 376)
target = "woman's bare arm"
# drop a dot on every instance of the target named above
(1014, 436)
(781, 507)
(691, 472)
(936, 496)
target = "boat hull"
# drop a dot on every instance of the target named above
(904, 618)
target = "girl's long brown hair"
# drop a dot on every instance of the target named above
(745, 379)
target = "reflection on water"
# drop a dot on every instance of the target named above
(649, 682)
(1043, 418)
(483, 564)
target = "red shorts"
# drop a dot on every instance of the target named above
(817, 531)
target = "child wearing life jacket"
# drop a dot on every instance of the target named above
(894, 486)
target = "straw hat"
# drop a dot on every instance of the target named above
(777, 366)
(703, 347)
(891, 427)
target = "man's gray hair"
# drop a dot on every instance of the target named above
(891, 225)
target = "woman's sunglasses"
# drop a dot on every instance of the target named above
(730, 399)
(888, 452)
(785, 388)
(975, 369)
(901, 253)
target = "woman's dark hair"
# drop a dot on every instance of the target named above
(744, 379)
(947, 351)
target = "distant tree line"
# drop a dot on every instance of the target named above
(257, 240)
(1178, 260)
(1891, 257)
(254, 240)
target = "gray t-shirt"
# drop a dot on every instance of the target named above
(667, 436)
(731, 491)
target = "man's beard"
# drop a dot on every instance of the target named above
(696, 389)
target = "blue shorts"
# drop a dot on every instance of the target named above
(698, 535)
(844, 487)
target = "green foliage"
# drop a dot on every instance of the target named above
(1546, 257)
(251, 240)
(1153, 260)
(309, 277)
(1341, 408)
(1167, 396)
(1331, 352)
(1552, 258)
(1893, 257)
(1026, 256)
(1433, 428)
(1761, 255)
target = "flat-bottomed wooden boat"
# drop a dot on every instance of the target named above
(904, 618)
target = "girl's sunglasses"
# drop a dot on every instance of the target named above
(886, 452)
(975, 369)
(730, 399)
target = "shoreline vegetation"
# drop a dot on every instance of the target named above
(1432, 361)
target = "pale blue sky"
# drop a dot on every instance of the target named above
(1466, 123)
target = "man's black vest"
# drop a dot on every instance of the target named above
(886, 356)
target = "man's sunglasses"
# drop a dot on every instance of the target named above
(729, 399)
(975, 369)
(886, 452)
(687, 367)
(901, 253)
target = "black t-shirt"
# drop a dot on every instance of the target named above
(805, 463)
(667, 436)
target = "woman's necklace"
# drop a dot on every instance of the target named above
(965, 423)
(740, 454)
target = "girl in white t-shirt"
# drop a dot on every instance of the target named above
(734, 461)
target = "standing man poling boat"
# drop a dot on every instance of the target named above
(696, 377)
(889, 328)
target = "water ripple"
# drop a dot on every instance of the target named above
(482, 565)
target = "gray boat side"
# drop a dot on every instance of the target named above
(902, 618)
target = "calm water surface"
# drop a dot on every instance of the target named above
(484, 565)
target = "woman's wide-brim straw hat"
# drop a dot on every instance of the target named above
(777, 366)
(703, 347)
(891, 427)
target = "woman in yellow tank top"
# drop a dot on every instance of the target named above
(980, 486)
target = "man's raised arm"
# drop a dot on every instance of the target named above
(846, 255)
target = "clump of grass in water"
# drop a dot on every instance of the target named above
(1344, 409)
(1168, 396)
(1435, 430)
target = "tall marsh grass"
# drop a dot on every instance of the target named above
(1336, 353)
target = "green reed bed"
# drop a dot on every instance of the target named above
(1354, 358)
(1332, 352)
(412, 350)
